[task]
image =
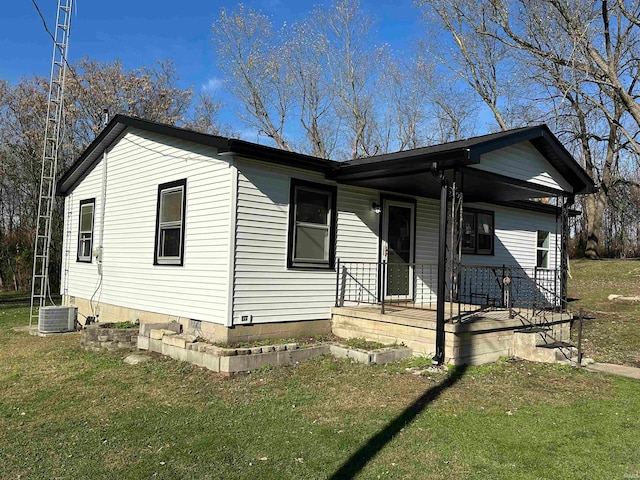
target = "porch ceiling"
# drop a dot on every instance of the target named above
(478, 186)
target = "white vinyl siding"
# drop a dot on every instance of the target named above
(80, 278)
(263, 286)
(427, 226)
(358, 224)
(523, 162)
(516, 238)
(137, 164)
(254, 279)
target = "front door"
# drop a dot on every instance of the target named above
(398, 226)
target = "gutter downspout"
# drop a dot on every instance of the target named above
(442, 257)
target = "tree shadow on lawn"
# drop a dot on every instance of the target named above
(376, 443)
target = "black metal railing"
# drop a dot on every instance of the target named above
(380, 283)
(473, 288)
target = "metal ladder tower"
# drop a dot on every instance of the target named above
(40, 276)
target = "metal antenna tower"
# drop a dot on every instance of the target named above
(40, 277)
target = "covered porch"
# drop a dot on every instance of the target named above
(453, 308)
(483, 310)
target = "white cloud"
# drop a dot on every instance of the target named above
(212, 85)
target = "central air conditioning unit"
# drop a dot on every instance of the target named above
(57, 319)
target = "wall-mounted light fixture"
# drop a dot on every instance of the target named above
(376, 207)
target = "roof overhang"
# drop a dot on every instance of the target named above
(460, 154)
(408, 172)
(477, 185)
(120, 123)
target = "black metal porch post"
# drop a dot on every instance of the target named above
(442, 266)
(567, 201)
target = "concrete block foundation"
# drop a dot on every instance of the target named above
(212, 332)
(481, 339)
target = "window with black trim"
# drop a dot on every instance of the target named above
(312, 225)
(85, 230)
(542, 249)
(170, 216)
(477, 231)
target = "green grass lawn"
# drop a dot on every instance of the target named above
(66, 413)
(612, 332)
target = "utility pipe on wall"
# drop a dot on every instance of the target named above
(103, 201)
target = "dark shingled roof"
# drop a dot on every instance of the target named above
(456, 154)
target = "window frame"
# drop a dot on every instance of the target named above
(331, 191)
(475, 250)
(83, 258)
(543, 249)
(165, 187)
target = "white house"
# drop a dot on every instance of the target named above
(236, 240)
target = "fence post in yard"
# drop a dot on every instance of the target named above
(580, 318)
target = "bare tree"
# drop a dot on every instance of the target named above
(249, 55)
(603, 46)
(205, 116)
(322, 75)
(580, 60)
(480, 60)
(304, 51)
(351, 67)
(150, 92)
(405, 94)
(592, 47)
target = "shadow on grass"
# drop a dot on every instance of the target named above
(9, 300)
(375, 444)
(13, 300)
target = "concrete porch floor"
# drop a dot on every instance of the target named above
(481, 336)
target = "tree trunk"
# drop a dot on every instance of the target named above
(594, 213)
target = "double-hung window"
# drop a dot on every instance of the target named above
(477, 231)
(312, 220)
(542, 250)
(169, 248)
(85, 230)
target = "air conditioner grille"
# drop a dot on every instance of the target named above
(57, 319)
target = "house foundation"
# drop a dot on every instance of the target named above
(481, 338)
(212, 332)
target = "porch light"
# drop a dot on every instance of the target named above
(376, 207)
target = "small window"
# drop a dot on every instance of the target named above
(542, 250)
(85, 230)
(311, 225)
(477, 232)
(169, 248)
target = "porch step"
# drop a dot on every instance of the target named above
(534, 336)
(532, 329)
(537, 346)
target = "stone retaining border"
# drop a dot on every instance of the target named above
(99, 337)
(230, 361)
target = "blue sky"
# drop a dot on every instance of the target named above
(141, 31)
